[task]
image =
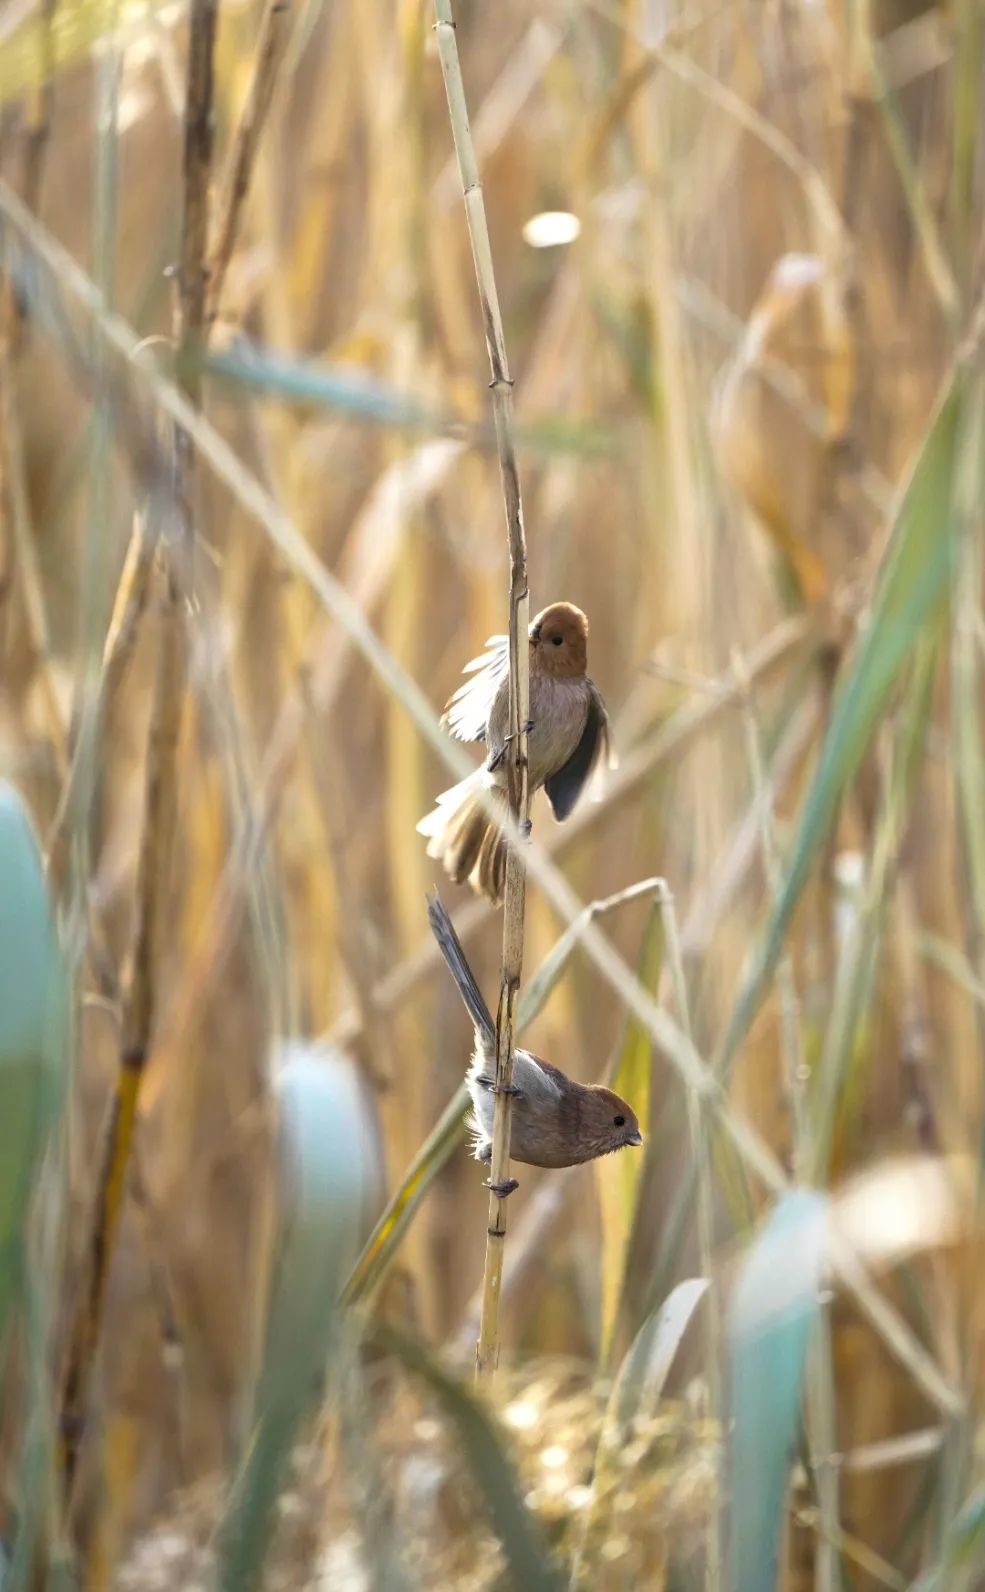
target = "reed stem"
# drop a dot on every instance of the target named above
(514, 902)
(154, 876)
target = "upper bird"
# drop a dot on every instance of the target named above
(567, 734)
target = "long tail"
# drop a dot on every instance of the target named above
(467, 842)
(450, 947)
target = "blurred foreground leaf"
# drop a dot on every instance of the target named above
(913, 584)
(618, 1177)
(351, 390)
(774, 1307)
(327, 1168)
(488, 1461)
(384, 1240)
(76, 26)
(33, 1030)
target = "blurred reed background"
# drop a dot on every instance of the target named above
(749, 413)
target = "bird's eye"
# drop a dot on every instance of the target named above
(556, 641)
(619, 1122)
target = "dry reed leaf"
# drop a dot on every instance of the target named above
(770, 453)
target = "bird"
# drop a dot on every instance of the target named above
(567, 736)
(555, 1122)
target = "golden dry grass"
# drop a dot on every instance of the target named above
(720, 389)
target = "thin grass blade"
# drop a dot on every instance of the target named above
(914, 583)
(491, 1467)
(844, 1054)
(963, 1561)
(648, 1362)
(619, 1177)
(385, 1239)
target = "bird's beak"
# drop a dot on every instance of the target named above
(635, 1139)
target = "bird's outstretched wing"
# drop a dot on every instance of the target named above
(565, 787)
(468, 710)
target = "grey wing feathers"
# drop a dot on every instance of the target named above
(565, 787)
(468, 710)
(535, 1079)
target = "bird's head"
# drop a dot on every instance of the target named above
(606, 1123)
(559, 641)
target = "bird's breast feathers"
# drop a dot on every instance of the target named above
(534, 1082)
(558, 710)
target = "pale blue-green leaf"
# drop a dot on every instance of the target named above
(33, 1022)
(773, 1308)
(383, 1241)
(328, 1166)
(349, 389)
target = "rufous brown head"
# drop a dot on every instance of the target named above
(559, 640)
(606, 1123)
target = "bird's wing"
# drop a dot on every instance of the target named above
(534, 1078)
(565, 787)
(467, 712)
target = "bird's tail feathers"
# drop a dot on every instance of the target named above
(447, 805)
(450, 947)
(467, 842)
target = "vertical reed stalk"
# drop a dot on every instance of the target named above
(154, 874)
(135, 583)
(487, 1349)
(271, 43)
(38, 130)
(15, 507)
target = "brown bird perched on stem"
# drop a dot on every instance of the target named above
(555, 1122)
(566, 737)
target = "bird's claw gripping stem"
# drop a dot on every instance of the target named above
(502, 1190)
(497, 757)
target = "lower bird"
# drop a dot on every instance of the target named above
(555, 1122)
(567, 736)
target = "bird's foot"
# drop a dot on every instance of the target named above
(502, 1190)
(507, 1089)
(527, 828)
(496, 758)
